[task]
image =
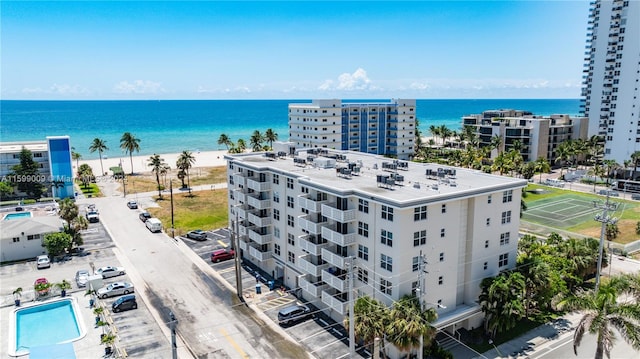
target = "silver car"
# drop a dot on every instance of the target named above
(82, 277)
(109, 271)
(113, 289)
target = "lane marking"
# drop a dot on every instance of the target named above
(233, 343)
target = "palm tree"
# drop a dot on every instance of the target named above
(100, 146)
(76, 157)
(184, 163)
(596, 171)
(241, 145)
(496, 143)
(563, 155)
(409, 322)
(270, 137)
(371, 320)
(603, 312)
(224, 140)
(435, 132)
(501, 299)
(256, 141)
(542, 165)
(158, 166)
(130, 143)
(635, 159)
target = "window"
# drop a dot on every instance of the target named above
(276, 232)
(386, 262)
(504, 238)
(363, 206)
(291, 239)
(290, 183)
(276, 214)
(507, 196)
(414, 288)
(486, 244)
(276, 179)
(419, 238)
(32, 237)
(363, 252)
(440, 280)
(415, 264)
(489, 199)
(486, 265)
(442, 232)
(386, 237)
(276, 249)
(506, 217)
(503, 260)
(385, 286)
(363, 275)
(289, 201)
(444, 208)
(291, 257)
(290, 221)
(276, 197)
(363, 229)
(387, 213)
(16, 239)
(441, 256)
(420, 213)
(488, 221)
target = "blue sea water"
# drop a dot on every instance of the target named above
(174, 126)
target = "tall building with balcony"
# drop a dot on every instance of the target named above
(53, 157)
(539, 136)
(313, 218)
(384, 128)
(610, 93)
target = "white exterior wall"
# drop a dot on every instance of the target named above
(10, 156)
(318, 124)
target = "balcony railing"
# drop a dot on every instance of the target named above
(310, 246)
(259, 221)
(261, 256)
(310, 226)
(243, 245)
(334, 259)
(334, 303)
(258, 203)
(338, 238)
(258, 186)
(309, 204)
(260, 238)
(315, 290)
(311, 268)
(329, 211)
(333, 281)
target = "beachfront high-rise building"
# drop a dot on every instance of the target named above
(383, 128)
(611, 86)
(539, 136)
(312, 218)
(53, 157)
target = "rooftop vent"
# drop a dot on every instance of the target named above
(270, 155)
(299, 161)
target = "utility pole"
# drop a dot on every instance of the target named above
(172, 324)
(352, 324)
(421, 271)
(124, 184)
(171, 195)
(235, 239)
(605, 220)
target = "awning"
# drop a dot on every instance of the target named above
(55, 351)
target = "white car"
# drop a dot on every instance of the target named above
(109, 271)
(113, 289)
(43, 262)
(82, 277)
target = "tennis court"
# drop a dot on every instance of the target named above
(561, 212)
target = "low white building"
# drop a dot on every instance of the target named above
(23, 238)
(311, 219)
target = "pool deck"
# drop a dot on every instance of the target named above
(87, 347)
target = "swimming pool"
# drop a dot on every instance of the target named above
(52, 322)
(16, 215)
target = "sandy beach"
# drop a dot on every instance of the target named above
(140, 163)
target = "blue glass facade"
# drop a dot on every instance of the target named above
(60, 166)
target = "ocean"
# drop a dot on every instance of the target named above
(175, 126)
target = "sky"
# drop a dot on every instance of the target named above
(292, 49)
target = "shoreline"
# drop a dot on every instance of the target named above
(140, 162)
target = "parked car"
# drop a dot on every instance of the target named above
(144, 216)
(78, 251)
(198, 235)
(82, 277)
(132, 205)
(123, 303)
(222, 255)
(114, 289)
(293, 313)
(43, 262)
(154, 225)
(635, 196)
(109, 271)
(93, 217)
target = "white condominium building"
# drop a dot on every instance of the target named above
(611, 88)
(307, 219)
(383, 128)
(539, 136)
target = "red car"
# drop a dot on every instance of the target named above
(222, 255)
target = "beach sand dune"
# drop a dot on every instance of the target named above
(141, 163)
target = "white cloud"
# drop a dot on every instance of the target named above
(356, 81)
(138, 87)
(59, 90)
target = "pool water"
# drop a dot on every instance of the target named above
(46, 324)
(17, 215)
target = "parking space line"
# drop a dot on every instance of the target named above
(222, 243)
(233, 343)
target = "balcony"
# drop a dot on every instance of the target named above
(258, 186)
(334, 259)
(259, 221)
(333, 302)
(241, 211)
(308, 264)
(309, 204)
(260, 238)
(258, 203)
(244, 227)
(333, 281)
(259, 255)
(240, 178)
(314, 290)
(310, 226)
(329, 211)
(240, 195)
(331, 235)
(243, 245)
(311, 246)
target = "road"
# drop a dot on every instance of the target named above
(564, 349)
(212, 321)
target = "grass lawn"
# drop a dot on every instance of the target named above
(521, 328)
(203, 210)
(146, 182)
(628, 212)
(91, 189)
